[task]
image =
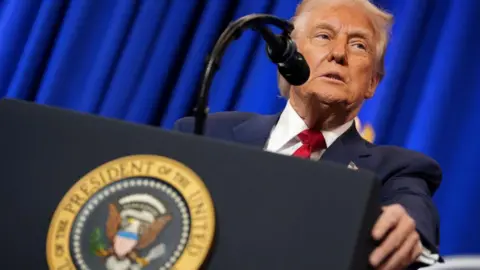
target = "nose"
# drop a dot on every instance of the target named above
(338, 53)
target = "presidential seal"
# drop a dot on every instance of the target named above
(136, 212)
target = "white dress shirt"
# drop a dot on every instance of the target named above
(283, 140)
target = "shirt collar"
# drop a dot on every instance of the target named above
(290, 124)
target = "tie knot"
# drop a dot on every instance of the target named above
(313, 139)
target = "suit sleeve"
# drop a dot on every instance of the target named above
(184, 125)
(178, 126)
(413, 186)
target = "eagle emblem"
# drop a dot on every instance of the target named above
(130, 229)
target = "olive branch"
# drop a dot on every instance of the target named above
(97, 243)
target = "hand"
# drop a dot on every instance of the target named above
(401, 244)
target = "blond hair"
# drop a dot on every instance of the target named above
(381, 21)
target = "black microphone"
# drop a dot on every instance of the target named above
(282, 51)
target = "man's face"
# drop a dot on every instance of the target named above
(338, 43)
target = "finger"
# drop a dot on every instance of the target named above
(404, 255)
(393, 241)
(388, 219)
(417, 251)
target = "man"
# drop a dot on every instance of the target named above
(344, 43)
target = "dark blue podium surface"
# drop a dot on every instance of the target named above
(271, 211)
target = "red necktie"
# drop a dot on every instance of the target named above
(311, 141)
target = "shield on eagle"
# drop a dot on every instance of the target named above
(134, 227)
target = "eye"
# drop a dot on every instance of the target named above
(360, 46)
(323, 36)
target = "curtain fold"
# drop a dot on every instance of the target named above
(26, 75)
(134, 58)
(16, 21)
(142, 61)
(237, 61)
(213, 19)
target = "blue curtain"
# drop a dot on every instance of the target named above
(142, 61)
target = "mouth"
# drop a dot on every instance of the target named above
(334, 77)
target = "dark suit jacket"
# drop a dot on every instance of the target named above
(407, 177)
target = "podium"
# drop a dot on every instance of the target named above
(85, 192)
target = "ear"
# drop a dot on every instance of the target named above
(375, 80)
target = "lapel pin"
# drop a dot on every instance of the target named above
(352, 166)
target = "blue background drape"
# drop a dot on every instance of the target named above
(142, 61)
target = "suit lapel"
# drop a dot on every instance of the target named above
(347, 148)
(256, 130)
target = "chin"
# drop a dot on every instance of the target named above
(329, 97)
(327, 92)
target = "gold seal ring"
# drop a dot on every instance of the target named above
(167, 179)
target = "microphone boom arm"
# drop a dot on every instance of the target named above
(232, 32)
